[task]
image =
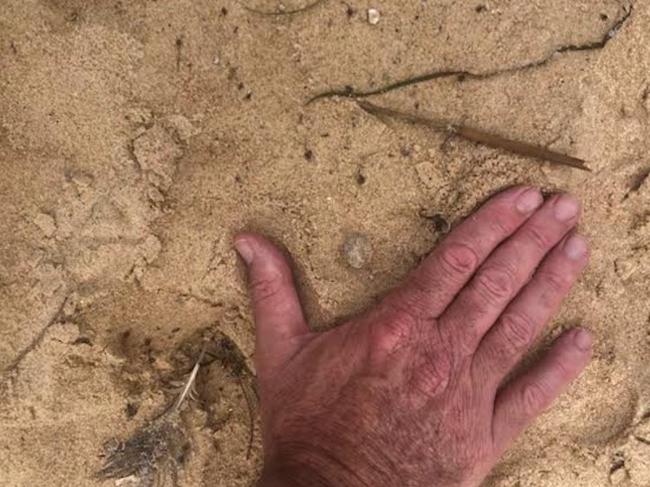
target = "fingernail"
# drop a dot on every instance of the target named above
(530, 200)
(583, 340)
(566, 208)
(575, 247)
(245, 250)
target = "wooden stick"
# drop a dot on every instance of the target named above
(479, 136)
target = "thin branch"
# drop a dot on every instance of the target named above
(15, 363)
(351, 92)
(477, 135)
(190, 382)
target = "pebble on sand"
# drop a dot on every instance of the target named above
(373, 16)
(618, 476)
(357, 250)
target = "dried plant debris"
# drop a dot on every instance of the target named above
(151, 457)
(222, 361)
(477, 135)
(223, 350)
(438, 222)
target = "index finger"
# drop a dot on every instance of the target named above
(432, 286)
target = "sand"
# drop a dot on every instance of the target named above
(137, 136)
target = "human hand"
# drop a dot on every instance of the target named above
(414, 392)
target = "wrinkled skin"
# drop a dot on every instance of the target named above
(417, 391)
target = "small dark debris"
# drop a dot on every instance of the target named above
(480, 9)
(240, 86)
(13, 47)
(131, 409)
(224, 11)
(72, 16)
(309, 155)
(184, 454)
(416, 105)
(248, 96)
(417, 17)
(438, 221)
(82, 341)
(638, 180)
(179, 47)
(361, 178)
(176, 330)
(350, 11)
(238, 179)
(461, 77)
(618, 462)
(226, 352)
(236, 29)
(348, 90)
(124, 338)
(604, 17)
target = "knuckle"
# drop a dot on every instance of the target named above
(561, 370)
(458, 258)
(533, 398)
(554, 283)
(267, 287)
(501, 225)
(537, 236)
(395, 331)
(495, 284)
(516, 332)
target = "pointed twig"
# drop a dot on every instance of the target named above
(477, 135)
(190, 382)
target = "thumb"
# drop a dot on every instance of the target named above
(279, 319)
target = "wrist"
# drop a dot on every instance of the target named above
(307, 469)
(291, 477)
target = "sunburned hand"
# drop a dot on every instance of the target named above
(414, 392)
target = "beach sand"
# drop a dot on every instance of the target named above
(137, 136)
